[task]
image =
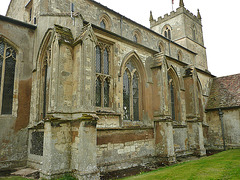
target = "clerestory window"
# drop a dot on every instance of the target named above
(131, 92)
(102, 76)
(7, 72)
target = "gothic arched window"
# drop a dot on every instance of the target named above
(167, 31)
(7, 72)
(102, 76)
(172, 93)
(103, 24)
(131, 92)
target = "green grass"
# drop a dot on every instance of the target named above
(224, 165)
(13, 178)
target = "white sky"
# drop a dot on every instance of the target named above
(220, 19)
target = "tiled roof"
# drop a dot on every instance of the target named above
(225, 92)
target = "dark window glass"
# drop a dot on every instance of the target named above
(98, 59)
(126, 96)
(106, 62)
(8, 86)
(165, 34)
(172, 97)
(106, 93)
(2, 47)
(135, 97)
(98, 92)
(169, 34)
(159, 49)
(45, 90)
(102, 24)
(172, 102)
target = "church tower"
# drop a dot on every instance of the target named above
(184, 28)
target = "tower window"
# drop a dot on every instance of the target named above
(167, 32)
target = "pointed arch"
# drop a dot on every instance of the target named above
(105, 21)
(133, 77)
(174, 94)
(167, 31)
(161, 47)
(179, 55)
(42, 68)
(137, 36)
(137, 60)
(8, 63)
(194, 32)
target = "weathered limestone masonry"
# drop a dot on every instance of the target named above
(94, 92)
(16, 46)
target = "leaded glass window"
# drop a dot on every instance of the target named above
(106, 63)
(172, 97)
(131, 92)
(126, 96)
(98, 92)
(98, 59)
(7, 72)
(135, 97)
(106, 93)
(102, 74)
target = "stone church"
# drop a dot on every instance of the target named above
(86, 90)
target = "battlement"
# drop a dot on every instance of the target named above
(180, 10)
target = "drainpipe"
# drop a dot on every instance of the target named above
(223, 134)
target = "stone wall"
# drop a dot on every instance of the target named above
(124, 148)
(13, 128)
(231, 125)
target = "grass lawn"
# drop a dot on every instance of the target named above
(224, 165)
(13, 178)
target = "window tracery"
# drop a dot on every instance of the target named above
(167, 32)
(7, 73)
(105, 22)
(131, 92)
(102, 75)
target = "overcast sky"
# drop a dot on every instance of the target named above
(220, 19)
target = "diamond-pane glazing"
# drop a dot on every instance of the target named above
(106, 93)
(98, 92)
(126, 96)
(2, 46)
(106, 62)
(98, 59)
(135, 97)
(7, 99)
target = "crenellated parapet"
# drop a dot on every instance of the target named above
(179, 11)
